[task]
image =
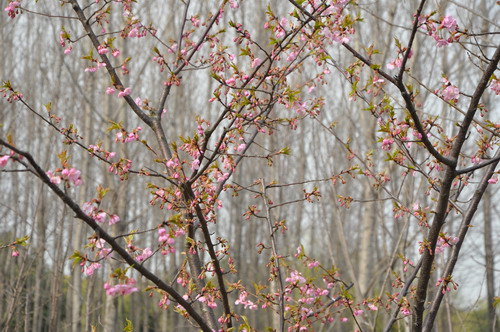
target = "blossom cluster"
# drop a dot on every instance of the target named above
(122, 288)
(66, 174)
(444, 30)
(92, 209)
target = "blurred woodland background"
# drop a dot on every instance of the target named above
(41, 291)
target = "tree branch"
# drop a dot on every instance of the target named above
(101, 233)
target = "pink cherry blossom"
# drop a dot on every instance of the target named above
(115, 52)
(113, 219)
(54, 178)
(12, 8)
(125, 92)
(101, 49)
(195, 164)
(450, 93)
(292, 56)
(449, 23)
(313, 264)
(233, 4)
(241, 147)
(242, 299)
(101, 217)
(495, 86)
(91, 268)
(133, 33)
(493, 180)
(91, 69)
(121, 289)
(146, 253)
(72, 175)
(358, 312)
(256, 62)
(231, 81)
(295, 276)
(3, 160)
(89, 207)
(387, 144)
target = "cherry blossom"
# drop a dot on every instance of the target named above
(12, 8)
(450, 93)
(89, 270)
(72, 175)
(124, 92)
(256, 62)
(55, 179)
(121, 289)
(495, 86)
(4, 160)
(493, 180)
(449, 23)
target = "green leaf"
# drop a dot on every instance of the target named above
(129, 327)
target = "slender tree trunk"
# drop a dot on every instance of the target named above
(489, 261)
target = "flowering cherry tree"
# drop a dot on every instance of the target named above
(262, 81)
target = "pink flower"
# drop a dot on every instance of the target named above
(72, 175)
(68, 50)
(116, 53)
(146, 253)
(295, 276)
(396, 63)
(292, 56)
(91, 268)
(3, 160)
(313, 264)
(101, 49)
(231, 81)
(242, 299)
(372, 307)
(233, 4)
(195, 21)
(113, 219)
(449, 23)
(441, 42)
(344, 319)
(88, 208)
(405, 311)
(12, 9)
(133, 33)
(495, 86)
(121, 289)
(125, 92)
(101, 217)
(450, 93)
(241, 147)
(15, 253)
(377, 79)
(256, 62)
(387, 144)
(195, 164)
(358, 312)
(54, 178)
(493, 180)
